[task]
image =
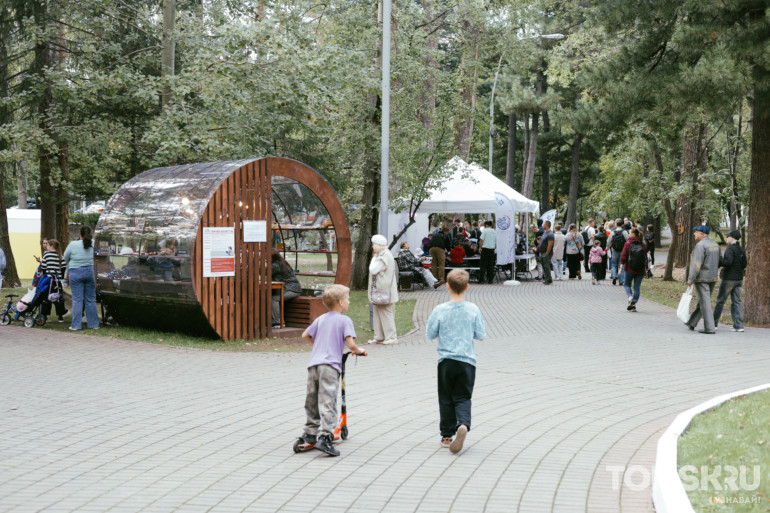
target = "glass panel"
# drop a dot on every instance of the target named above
(145, 236)
(303, 232)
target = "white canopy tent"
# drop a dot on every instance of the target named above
(470, 189)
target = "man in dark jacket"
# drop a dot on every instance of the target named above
(732, 263)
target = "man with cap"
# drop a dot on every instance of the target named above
(704, 267)
(732, 263)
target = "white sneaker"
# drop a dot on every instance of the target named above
(390, 341)
(372, 341)
(737, 330)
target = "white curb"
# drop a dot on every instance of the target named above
(668, 494)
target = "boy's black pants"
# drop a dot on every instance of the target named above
(455, 388)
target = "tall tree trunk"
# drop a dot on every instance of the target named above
(169, 47)
(10, 276)
(545, 202)
(510, 161)
(62, 203)
(733, 151)
(47, 203)
(574, 179)
(757, 305)
(62, 190)
(427, 108)
(525, 153)
(468, 77)
(529, 175)
(692, 156)
(668, 273)
(21, 183)
(371, 183)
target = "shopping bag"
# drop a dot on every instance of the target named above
(683, 312)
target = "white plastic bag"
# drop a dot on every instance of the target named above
(683, 312)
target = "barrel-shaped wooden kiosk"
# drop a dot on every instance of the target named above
(188, 248)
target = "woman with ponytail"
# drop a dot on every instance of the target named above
(79, 257)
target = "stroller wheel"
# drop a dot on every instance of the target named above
(344, 432)
(40, 320)
(29, 322)
(5, 320)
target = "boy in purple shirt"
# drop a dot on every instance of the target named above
(329, 333)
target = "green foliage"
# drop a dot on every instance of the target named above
(85, 219)
(733, 434)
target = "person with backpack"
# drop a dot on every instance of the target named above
(634, 261)
(732, 263)
(617, 242)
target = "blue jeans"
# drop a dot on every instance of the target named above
(731, 289)
(83, 289)
(615, 263)
(636, 281)
(558, 268)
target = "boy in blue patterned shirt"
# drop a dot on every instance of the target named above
(456, 323)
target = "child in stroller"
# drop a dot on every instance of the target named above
(28, 309)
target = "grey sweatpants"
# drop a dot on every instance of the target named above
(703, 292)
(323, 382)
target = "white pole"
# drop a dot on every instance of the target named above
(492, 112)
(385, 145)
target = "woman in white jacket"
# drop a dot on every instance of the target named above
(383, 275)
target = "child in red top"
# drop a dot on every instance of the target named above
(457, 255)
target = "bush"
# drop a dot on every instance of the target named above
(85, 219)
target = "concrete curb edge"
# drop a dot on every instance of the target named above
(668, 493)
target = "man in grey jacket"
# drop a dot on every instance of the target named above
(704, 270)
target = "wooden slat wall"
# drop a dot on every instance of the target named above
(238, 307)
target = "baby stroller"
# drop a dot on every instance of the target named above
(30, 310)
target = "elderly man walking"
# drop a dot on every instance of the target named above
(704, 269)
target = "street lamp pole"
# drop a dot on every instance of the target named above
(385, 137)
(494, 85)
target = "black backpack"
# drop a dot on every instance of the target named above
(618, 241)
(637, 257)
(586, 238)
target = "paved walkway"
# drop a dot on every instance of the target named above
(569, 387)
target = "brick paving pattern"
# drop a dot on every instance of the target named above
(569, 386)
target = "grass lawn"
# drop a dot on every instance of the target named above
(670, 292)
(735, 434)
(359, 312)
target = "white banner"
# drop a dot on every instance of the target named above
(549, 216)
(505, 228)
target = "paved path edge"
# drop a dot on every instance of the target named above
(668, 493)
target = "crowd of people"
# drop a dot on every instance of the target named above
(627, 250)
(468, 245)
(76, 265)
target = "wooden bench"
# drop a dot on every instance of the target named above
(303, 310)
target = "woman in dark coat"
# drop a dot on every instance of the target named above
(282, 271)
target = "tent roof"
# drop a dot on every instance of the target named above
(471, 188)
